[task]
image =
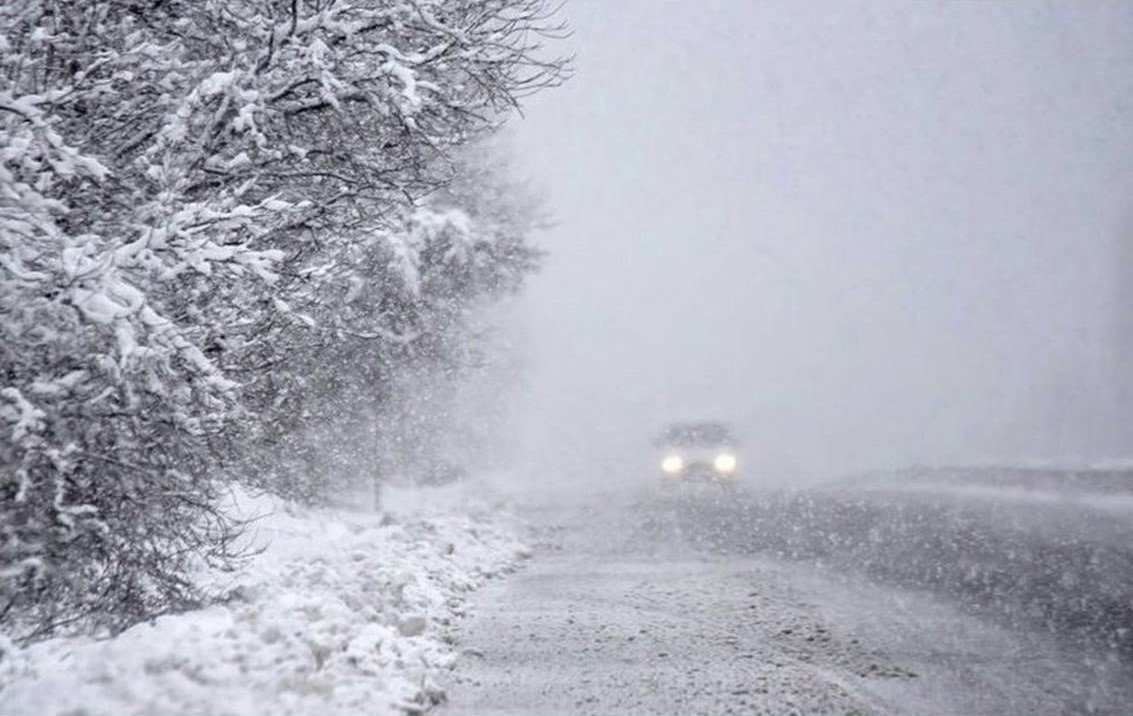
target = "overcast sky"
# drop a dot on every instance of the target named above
(868, 234)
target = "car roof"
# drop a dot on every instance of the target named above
(703, 432)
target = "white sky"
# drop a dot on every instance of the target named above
(869, 234)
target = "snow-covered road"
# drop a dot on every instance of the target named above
(628, 608)
(633, 603)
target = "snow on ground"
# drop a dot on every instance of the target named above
(1105, 502)
(648, 606)
(343, 612)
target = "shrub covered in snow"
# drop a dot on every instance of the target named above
(220, 222)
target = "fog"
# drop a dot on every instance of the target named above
(278, 435)
(868, 235)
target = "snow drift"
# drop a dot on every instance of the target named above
(341, 613)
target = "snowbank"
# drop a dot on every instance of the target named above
(342, 613)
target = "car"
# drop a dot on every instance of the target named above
(703, 451)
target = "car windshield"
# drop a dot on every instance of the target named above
(705, 434)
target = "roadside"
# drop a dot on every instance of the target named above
(343, 613)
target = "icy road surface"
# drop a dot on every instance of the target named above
(633, 606)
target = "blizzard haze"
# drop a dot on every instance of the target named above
(870, 235)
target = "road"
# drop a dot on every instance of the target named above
(800, 603)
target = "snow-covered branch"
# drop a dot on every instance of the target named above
(221, 220)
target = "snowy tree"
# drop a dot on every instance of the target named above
(185, 189)
(366, 386)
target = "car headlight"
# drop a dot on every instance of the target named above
(724, 462)
(673, 464)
